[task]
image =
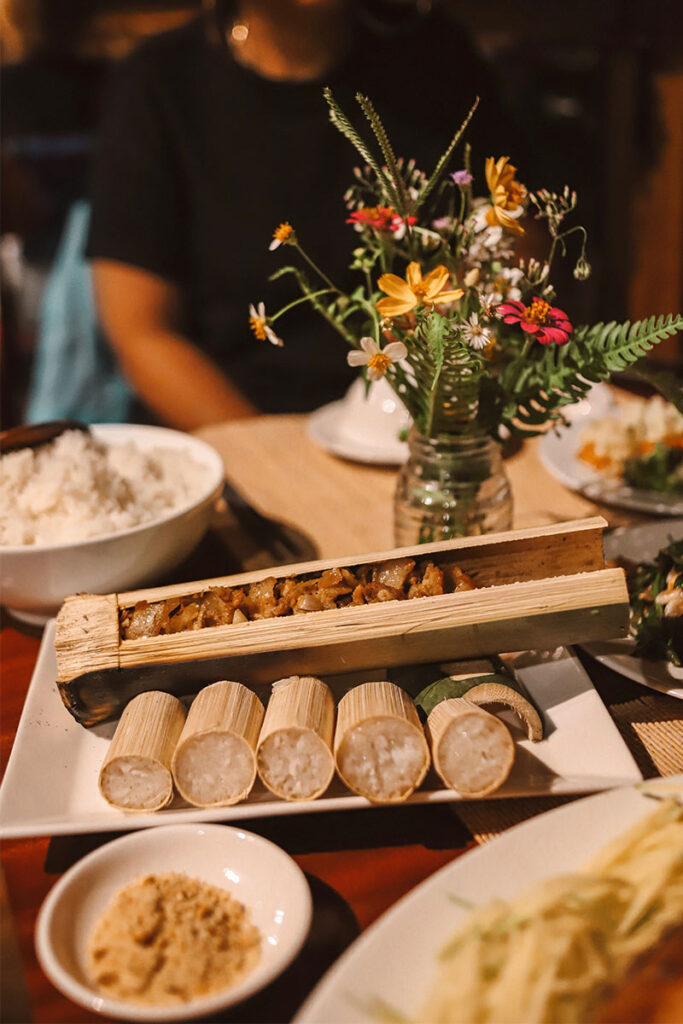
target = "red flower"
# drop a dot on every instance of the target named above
(548, 323)
(381, 218)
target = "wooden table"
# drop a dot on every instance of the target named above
(359, 863)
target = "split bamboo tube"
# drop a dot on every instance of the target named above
(294, 755)
(379, 745)
(215, 760)
(472, 750)
(136, 774)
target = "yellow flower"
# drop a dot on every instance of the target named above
(507, 195)
(415, 290)
(283, 233)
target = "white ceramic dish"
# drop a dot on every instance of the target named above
(640, 543)
(395, 960)
(57, 793)
(558, 453)
(255, 871)
(363, 428)
(35, 580)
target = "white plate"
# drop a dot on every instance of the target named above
(558, 453)
(255, 871)
(325, 427)
(396, 959)
(56, 793)
(639, 544)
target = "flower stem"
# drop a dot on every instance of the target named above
(316, 268)
(297, 302)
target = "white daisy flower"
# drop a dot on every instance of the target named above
(476, 336)
(377, 360)
(258, 321)
(488, 305)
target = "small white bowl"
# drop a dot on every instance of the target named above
(37, 578)
(259, 874)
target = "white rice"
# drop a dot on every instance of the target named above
(295, 763)
(76, 487)
(136, 783)
(382, 759)
(214, 769)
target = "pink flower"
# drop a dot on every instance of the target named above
(462, 177)
(549, 324)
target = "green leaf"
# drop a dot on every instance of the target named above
(539, 386)
(617, 346)
(666, 383)
(434, 331)
(446, 688)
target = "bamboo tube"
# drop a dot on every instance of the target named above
(294, 755)
(136, 773)
(379, 745)
(214, 764)
(472, 750)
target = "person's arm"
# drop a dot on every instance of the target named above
(140, 314)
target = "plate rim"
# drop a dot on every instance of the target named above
(306, 1012)
(111, 820)
(565, 434)
(354, 451)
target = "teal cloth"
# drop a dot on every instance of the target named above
(75, 375)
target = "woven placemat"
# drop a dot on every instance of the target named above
(652, 728)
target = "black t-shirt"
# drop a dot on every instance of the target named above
(200, 159)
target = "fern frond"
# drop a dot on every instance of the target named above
(342, 124)
(443, 162)
(401, 197)
(611, 347)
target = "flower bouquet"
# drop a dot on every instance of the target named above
(465, 331)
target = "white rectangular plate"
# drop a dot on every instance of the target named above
(50, 787)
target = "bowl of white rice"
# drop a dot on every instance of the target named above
(101, 512)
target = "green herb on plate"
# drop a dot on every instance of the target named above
(660, 471)
(656, 595)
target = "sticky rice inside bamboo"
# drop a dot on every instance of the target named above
(294, 757)
(380, 748)
(136, 784)
(214, 764)
(214, 768)
(472, 750)
(136, 774)
(295, 764)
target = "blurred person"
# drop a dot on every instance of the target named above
(216, 133)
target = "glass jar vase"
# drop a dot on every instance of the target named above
(451, 486)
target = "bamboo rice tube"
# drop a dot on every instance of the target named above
(472, 750)
(294, 755)
(379, 744)
(136, 774)
(215, 760)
